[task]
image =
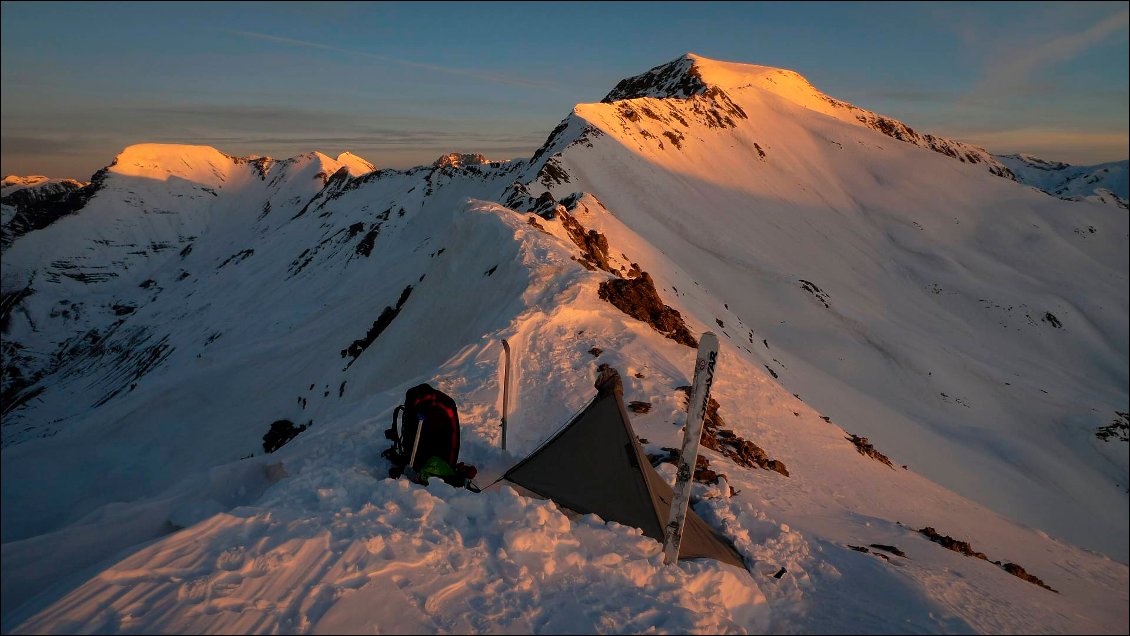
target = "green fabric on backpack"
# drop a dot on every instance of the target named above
(435, 467)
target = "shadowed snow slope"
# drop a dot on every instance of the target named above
(864, 278)
(1103, 183)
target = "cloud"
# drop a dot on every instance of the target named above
(1072, 146)
(36, 145)
(1017, 66)
(449, 70)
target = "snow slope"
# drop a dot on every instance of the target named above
(971, 328)
(967, 342)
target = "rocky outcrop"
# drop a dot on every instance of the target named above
(678, 79)
(638, 298)
(867, 448)
(458, 160)
(963, 547)
(743, 451)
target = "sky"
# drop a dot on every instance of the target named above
(401, 83)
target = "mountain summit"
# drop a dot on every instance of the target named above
(693, 75)
(936, 352)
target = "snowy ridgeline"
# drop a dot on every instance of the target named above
(1102, 183)
(880, 293)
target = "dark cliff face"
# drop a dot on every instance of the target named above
(38, 207)
(457, 160)
(678, 79)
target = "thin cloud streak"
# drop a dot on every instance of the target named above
(462, 72)
(1077, 147)
(1018, 68)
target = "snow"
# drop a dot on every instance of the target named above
(137, 498)
(1072, 182)
(356, 166)
(971, 365)
(14, 183)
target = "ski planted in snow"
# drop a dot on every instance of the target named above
(696, 411)
(505, 391)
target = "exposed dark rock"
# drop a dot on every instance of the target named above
(365, 245)
(859, 548)
(820, 294)
(867, 448)
(237, 257)
(553, 135)
(889, 548)
(900, 131)
(702, 471)
(1050, 318)
(593, 244)
(677, 79)
(675, 137)
(9, 302)
(38, 207)
(383, 321)
(533, 220)
(552, 173)
(742, 451)
(638, 298)
(596, 351)
(950, 543)
(1021, 573)
(639, 407)
(963, 547)
(282, 431)
(459, 160)
(1118, 429)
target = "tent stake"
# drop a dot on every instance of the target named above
(696, 411)
(505, 391)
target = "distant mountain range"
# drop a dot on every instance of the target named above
(1104, 182)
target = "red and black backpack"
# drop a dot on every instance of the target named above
(433, 412)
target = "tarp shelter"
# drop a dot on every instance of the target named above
(596, 465)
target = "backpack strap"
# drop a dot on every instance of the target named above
(397, 436)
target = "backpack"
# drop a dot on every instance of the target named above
(430, 415)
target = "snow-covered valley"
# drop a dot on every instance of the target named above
(866, 280)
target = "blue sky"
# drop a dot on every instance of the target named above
(401, 83)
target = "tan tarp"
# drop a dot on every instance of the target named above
(596, 465)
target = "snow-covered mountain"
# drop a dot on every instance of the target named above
(1104, 182)
(37, 184)
(32, 203)
(881, 294)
